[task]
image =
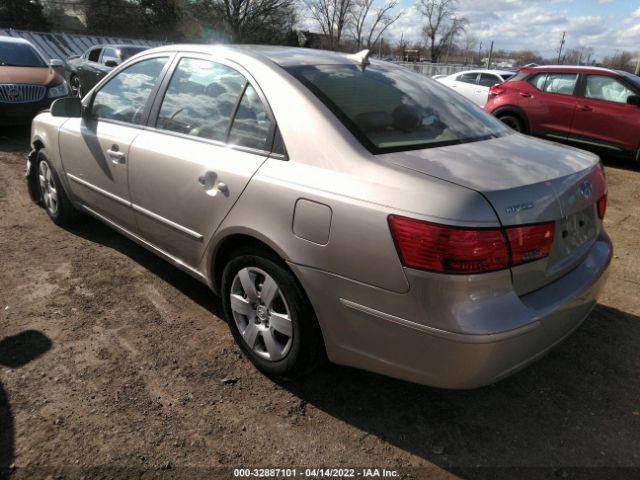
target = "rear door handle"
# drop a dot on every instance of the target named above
(585, 108)
(525, 95)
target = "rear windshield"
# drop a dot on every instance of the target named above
(14, 54)
(389, 108)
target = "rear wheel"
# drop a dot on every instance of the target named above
(514, 121)
(52, 194)
(270, 316)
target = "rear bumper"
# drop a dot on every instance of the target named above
(490, 333)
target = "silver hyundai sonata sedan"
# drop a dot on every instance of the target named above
(343, 208)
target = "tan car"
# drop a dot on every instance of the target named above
(28, 83)
(341, 207)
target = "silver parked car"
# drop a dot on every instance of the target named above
(342, 208)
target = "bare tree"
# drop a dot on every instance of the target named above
(333, 17)
(259, 21)
(442, 24)
(369, 24)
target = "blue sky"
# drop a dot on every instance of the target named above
(604, 25)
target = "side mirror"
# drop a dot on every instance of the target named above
(70, 107)
(111, 63)
(634, 100)
(56, 62)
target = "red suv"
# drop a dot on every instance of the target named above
(589, 106)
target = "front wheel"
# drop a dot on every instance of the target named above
(52, 194)
(270, 316)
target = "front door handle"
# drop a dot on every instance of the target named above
(116, 156)
(585, 108)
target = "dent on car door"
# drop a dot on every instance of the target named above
(603, 115)
(95, 148)
(184, 177)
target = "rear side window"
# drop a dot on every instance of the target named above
(488, 80)
(600, 87)
(251, 125)
(562, 83)
(200, 99)
(467, 78)
(123, 98)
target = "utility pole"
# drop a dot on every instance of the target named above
(479, 53)
(490, 55)
(561, 45)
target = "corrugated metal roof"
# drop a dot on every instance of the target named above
(63, 45)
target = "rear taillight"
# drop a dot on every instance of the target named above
(530, 243)
(602, 206)
(446, 249)
(496, 90)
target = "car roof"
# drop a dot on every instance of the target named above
(7, 39)
(487, 70)
(569, 68)
(117, 45)
(283, 56)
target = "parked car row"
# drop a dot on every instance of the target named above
(29, 83)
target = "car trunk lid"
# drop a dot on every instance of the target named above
(527, 181)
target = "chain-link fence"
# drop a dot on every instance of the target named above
(431, 69)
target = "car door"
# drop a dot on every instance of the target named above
(95, 148)
(481, 93)
(465, 84)
(209, 134)
(603, 115)
(109, 54)
(552, 103)
(88, 69)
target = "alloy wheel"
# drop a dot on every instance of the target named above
(48, 188)
(261, 313)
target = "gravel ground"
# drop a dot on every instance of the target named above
(113, 364)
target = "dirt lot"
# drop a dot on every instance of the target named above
(113, 365)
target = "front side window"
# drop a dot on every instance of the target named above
(94, 55)
(251, 125)
(467, 78)
(14, 54)
(109, 54)
(389, 108)
(200, 99)
(600, 87)
(124, 97)
(562, 83)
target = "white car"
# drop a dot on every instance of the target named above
(474, 84)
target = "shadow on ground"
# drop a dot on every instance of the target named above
(578, 406)
(97, 232)
(15, 352)
(14, 138)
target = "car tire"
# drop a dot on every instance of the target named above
(270, 316)
(52, 195)
(514, 121)
(76, 86)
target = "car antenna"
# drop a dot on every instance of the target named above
(361, 58)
